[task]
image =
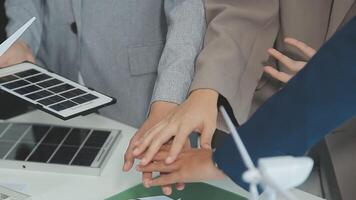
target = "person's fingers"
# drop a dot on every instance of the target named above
(180, 186)
(129, 158)
(187, 144)
(165, 180)
(281, 76)
(154, 147)
(167, 190)
(147, 140)
(285, 60)
(157, 167)
(207, 136)
(146, 178)
(304, 48)
(161, 155)
(179, 142)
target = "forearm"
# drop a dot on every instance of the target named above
(19, 12)
(186, 27)
(234, 44)
(317, 100)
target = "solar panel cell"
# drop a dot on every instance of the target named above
(50, 83)
(76, 137)
(16, 84)
(55, 135)
(64, 154)
(26, 73)
(42, 153)
(84, 98)
(7, 79)
(21, 151)
(39, 95)
(51, 100)
(27, 89)
(14, 132)
(38, 78)
(63, 105)
(61, 88)
(97, 139)
(86, 156)
(73, 93)
(5, 147)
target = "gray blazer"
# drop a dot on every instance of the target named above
(138, 51)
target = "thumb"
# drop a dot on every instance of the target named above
(207, 136)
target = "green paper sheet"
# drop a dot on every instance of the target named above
(192, 191)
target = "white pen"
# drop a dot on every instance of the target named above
(14, 37)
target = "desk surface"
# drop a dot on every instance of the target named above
(45, 186)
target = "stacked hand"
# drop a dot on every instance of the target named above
(158, 111)
(17, 53)
(197, 113)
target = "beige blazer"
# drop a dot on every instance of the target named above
(239, 33)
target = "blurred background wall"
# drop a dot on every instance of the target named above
(9, 105)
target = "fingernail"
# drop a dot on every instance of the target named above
(167, 191)
(126, 166)
(143, 161)
(206, 146)
(180, 187)
(135, 152)
(169, 160)
(146, 183)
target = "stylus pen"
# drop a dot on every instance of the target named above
(14, 37)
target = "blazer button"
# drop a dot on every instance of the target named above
(74, 28)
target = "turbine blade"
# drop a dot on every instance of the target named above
(14, 37)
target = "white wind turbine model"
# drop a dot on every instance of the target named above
(275, 174)
(15, 36)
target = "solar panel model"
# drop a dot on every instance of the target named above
(58, 149)
(8, 194)
(51, 92)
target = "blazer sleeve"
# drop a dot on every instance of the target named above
(18, 13)
(317, 100)
(186, 27)
(235, 29)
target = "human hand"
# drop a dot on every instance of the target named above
(192, 165)
(158, 110)
(294, 66)
(17, 53)
(166, 189)
(197, 113)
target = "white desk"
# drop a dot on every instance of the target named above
(52, 186)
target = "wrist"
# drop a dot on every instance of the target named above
(205, 94)
(161, 107)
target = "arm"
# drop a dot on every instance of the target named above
(235, 30)
(186, 27)
(318, 99)
(18, 12)
(237, 36)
